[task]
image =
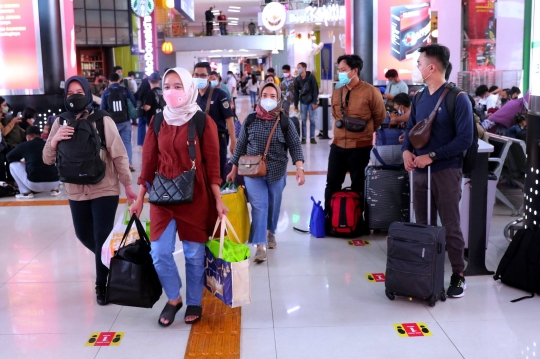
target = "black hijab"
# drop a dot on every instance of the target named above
(86, 87)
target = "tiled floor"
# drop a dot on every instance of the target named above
(311, 298)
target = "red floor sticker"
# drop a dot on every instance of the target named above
(376, 277)
(104, 339)
(408, 330)
(359, 243)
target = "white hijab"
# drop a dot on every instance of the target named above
(178, 116)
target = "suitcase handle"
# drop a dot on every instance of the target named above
(428, 196)
(415, 225)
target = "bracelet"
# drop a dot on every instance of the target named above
(300, 168)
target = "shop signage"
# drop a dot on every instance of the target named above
(142, 8)
(274, 16)
(148, 44)
(312, 14)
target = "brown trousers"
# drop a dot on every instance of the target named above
(445, 197)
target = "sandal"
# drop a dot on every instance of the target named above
(193, 310)
(169, 312)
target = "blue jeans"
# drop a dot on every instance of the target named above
(253, 96)
(162, 255)
(124, 129)
(305, 109)
(265, 199)
(141, 131)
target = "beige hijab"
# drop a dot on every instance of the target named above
(178, 116)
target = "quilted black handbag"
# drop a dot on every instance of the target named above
(166, 191)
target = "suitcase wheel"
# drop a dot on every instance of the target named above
(443, 297)
(390, 295)
(432, 300)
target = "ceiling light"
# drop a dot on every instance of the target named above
(234, 18)
(243, 50)
(234, 7)
(230, 10)
(275, 51)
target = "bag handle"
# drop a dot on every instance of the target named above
(270, 137)
(140, 230)
(225, 224)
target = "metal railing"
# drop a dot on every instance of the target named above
(182, 29)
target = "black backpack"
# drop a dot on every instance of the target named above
(283, 122)
(158, 93)
(78, 159)
(118, 107)
(520, 265)
(469, 156)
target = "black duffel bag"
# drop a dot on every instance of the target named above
(133, 280)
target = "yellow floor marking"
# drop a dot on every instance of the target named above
(217, 335)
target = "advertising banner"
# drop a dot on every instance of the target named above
(402, 26)
(20, 48)
(481, 34)
(68, 38)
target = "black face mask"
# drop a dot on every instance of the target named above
(100, 81)
(77, 102)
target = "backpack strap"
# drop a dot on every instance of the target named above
(156, 123)
(97, 117)
(510, 253)
(209, 100)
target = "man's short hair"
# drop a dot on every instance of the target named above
(402, 99)
(114, 77)
(391, 73)
(481, 90)
(515, 89)
(271, 69)
(203, 65)
(154, 78)
(286, 67)
(439, 53)
(33, 131)
(116, 68)
(353, 61)
(448, 71)
(214, 73)
(131, 73)
(493, 88)
(230, 73)
(303, 64)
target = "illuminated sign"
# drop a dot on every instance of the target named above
(142, 7)
(312, 14)
(149, 44)
(274, 16)
(68, 38)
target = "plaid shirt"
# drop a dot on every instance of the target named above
(252, 142)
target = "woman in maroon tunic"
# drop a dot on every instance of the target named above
(168, 155)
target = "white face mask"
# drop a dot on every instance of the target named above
(286, 74)
(268, 104)
(418, 77)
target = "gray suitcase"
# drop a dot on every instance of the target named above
(415, 258)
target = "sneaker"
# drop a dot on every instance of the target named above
(131, 168)
(271, 241)
(303, 141)
(320, 134)
(457, 286)
(101, 294)
(313, 141)
(55, 192)
(25, 196)
(260, 256)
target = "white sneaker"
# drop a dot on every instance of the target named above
(25, 196)
(55, 192)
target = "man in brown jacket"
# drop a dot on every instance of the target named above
(350, 151)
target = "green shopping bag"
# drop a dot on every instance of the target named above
(127, 218)
(232, 251)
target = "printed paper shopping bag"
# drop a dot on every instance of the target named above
(227, 270)
(235, 200)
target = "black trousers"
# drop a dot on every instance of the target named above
(93, 221)
(223, 143)
(209, 28)
(341, 161)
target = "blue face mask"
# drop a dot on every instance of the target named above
(344, 78)
(201, 83)
(214, 83)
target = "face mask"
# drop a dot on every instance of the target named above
(400, 112)
(299, 70)
(268, 104)
(229, 76)
(344, 78)
(201, 83)
(214, 83)
(5, 110)
(77, 102)
(417, 76)
(286, 74)
(175, 97)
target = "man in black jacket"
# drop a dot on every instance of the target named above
(28, 169)
(209, 15)
(306, 93)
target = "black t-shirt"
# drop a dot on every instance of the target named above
(153, 98)
(209, 15)
(220, 109)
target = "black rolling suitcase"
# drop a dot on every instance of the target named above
(415, 258)
(387, 197)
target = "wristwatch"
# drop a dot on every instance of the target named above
(433, 156)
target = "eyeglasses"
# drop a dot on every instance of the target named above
(200, 76)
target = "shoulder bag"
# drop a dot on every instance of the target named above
(421, 132)
(350, 123)
(255, 166)
(166, 191)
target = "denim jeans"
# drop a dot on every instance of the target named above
(141, 131)
(265, 199)
(162, 255)
(124, 129)
(253, 96)
(305, 109)
(223, 29)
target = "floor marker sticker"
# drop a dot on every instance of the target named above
(104, 339)
(359, 243)
(376, 277)
(408, 330)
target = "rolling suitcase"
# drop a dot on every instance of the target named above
(415, 259)
(387, 197)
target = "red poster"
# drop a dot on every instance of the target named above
(68, 38)
(403, 26)
(480, 41)
(20, 47)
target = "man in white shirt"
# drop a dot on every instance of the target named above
(231, 85)
(395, 85)
(131, 79)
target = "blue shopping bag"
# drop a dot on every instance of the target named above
(316, 223)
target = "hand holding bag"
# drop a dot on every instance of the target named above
(255, 166)
(179, 190)
(421, 132)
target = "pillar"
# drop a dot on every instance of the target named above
(363, 36)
